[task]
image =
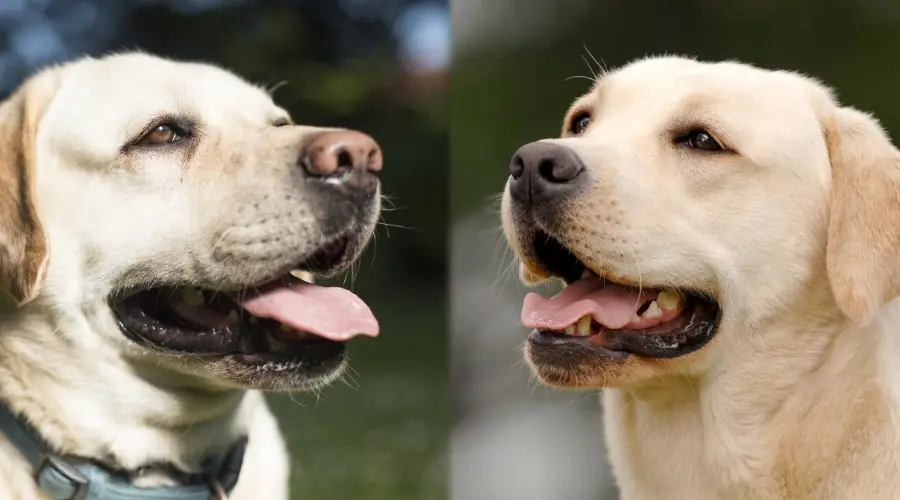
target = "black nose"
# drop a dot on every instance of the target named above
(542, 172)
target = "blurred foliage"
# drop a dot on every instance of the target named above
(380, 436)
(505, 97)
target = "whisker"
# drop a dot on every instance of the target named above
(398, 226)
(573, 77)
(273, 88)
(590, 68)
(601, 65)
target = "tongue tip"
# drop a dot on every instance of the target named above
(332, 313)
(369, 329)
(371, 333)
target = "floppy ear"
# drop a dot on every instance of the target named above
(24, 252)
(863, 252)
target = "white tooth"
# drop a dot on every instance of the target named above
(232, 316)
(586, 273)
(192, 297)
(570, 330)
(583, 328)
(653, 311)
(668, 301)
(635, 318)
(253, 320)
(303, 275)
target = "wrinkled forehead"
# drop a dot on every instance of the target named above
(657, 89)
(117, 96)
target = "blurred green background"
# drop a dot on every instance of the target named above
(512, 59)
(376, 65)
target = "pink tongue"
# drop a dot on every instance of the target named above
(611, 305)
(328, 312)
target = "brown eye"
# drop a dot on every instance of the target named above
(700, 139)
(162, 134)
(281, 122)
(580, 123)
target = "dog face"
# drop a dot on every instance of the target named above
(173, 208)
(687, 205)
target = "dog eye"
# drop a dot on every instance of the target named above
(579, 123)
(164, 133)
(281, 122)
(700, 139)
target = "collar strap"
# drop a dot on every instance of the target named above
(70, 478)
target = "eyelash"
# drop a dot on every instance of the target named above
(182, 128)
(687, 139)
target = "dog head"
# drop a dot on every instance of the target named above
(687, 206)
(171, 211)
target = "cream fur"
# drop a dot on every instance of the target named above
(113, 219)
(796, 232)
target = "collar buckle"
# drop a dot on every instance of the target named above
(79, 482)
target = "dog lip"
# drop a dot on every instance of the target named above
(150, 323)
(134, 313)
(702, 323)
(554, 340)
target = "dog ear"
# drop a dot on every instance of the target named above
(863, 249)
(24, 252)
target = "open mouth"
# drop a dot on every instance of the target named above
(284, 323)
(614, 318)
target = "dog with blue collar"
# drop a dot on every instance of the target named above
(160, 224)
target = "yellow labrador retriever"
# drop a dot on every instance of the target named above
(728, 236)
(156, 219)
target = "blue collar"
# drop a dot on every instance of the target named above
(72, 478)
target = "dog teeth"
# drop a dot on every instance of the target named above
(192, 297)
(583, 327)
(302, 275)
(653, 311)
(586, 273)
(669, 301)
(635, 318)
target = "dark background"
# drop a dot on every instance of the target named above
(511, 84)
(376, 65)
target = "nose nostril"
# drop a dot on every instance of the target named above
(344, 159)
(516, 167)
(336, 153)
(543, 171)
(374, 160)
(547, 170)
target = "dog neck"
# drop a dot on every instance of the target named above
(88, 401)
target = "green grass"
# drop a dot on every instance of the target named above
(383, 436)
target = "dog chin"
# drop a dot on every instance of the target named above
(274, 377)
